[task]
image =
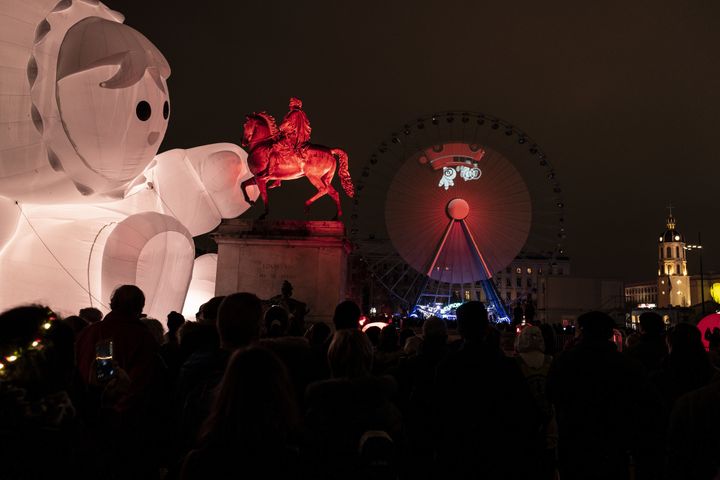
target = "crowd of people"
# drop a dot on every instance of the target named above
(239, 394)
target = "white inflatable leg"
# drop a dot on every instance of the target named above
(154, 252)
(202, 285)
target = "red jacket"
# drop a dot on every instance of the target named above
(134, 349)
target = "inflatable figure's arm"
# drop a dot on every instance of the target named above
(9, 218)
(200, 186)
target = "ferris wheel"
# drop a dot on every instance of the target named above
(450, 199)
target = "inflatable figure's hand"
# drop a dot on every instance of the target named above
(200, 186)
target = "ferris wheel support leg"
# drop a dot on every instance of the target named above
(488, 285)
(439, 249)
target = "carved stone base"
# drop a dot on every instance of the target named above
(257, 255)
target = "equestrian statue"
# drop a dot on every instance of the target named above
(285, 153)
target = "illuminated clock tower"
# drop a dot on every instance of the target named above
(673, 280)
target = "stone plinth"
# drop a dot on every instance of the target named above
(257, 255)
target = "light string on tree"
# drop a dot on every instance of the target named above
(10, 355)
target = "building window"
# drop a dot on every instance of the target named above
(529, 283)
(540, 271)
(677, 251)
(507, 283)
(507, 297)
(679, 271)
(518, 270)
(467, 295)
(529, 271)
(668, 253)
(518, 282)
(560, 270)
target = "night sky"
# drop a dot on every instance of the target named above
(622, 96)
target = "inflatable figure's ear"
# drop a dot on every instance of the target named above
(95, 42)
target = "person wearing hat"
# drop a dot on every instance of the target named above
(295, 129)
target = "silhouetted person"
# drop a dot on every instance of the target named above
(155, 328)
(687, 366)
(170, 349)
(238, 323)
(134, 348)
(131, 424)
(252, 425)
(605, 407)
(713, 338)
(416, 380)
(548, 334)
(535, 365)
(175, 320)
(388, 352)
(201, 336)
(403, 336)
(650, 348)
(347, 315)
(76, 323)
(318, 336)
(90, 314)
(412, 346)
(341, 410)
(276, 322)
(693, 440)
(373, 334)
(497, 421)
(239, 320)
(296, 310)
(40, 432)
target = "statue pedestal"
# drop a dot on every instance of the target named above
(257, 255)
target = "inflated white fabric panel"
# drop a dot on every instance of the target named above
(202, 285)
(85, 202)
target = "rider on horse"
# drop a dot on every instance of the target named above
(295, 130)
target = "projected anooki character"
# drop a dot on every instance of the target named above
(85, 202)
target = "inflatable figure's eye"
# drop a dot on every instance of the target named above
(143, 110)
(166, 110)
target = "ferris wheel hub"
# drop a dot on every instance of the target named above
(458, 209)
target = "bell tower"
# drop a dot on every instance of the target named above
(673, 280)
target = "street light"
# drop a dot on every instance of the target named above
(699, 247)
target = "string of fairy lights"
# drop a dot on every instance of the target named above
(12, 354)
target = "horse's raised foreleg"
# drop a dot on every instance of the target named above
(321, 190)
(262, 186)
(243, 187)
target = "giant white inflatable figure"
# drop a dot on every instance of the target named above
(85, 202)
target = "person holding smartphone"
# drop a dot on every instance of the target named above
(119, 360)
(121, 341)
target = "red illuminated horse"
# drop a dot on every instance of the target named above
(269, 160)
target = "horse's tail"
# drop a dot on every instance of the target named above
(343, 172)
